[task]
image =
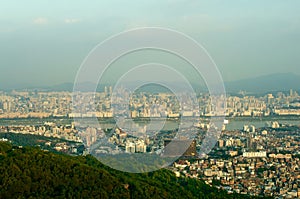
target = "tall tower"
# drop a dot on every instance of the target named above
(292, 93)
(105, 91)
(110, 90)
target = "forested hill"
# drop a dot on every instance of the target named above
(29, 172)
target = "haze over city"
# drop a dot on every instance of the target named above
(150, 99)
(44, 44)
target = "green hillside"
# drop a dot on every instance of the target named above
(29, 172)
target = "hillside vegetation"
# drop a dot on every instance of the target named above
(29, 172)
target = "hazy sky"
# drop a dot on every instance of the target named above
(44, 42)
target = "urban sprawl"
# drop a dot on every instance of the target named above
(257, 161)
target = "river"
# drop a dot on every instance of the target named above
(234, 123)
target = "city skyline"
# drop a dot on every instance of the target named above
(150, 99)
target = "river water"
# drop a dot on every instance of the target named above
(234, 123)
(238, 123)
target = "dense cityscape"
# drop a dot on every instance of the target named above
(251, 161)
(27, 104)
(261, 161)
(150, 99)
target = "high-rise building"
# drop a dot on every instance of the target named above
(110, 90)
(105, 91)
(140, 147)
(221, 143)
(130, 147)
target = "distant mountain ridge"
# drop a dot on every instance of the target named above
(266, 83)
(260, 84)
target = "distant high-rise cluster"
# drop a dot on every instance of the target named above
(28, 104)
